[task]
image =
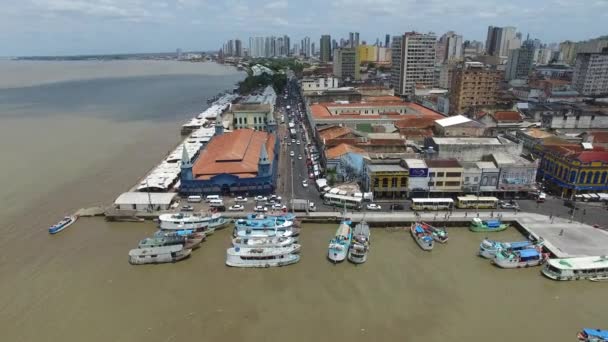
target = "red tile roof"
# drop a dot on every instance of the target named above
(442, 163)
(425, 111)
(416, 122)
(591, 156)
(235, 153)
(342, 149)
(319, 111)
(333, 133)
(507, 116)
(599, 137)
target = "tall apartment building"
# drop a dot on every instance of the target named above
(356, 39)
(413, 62)
(306, 52)
(500, 40)
(238, 48)
(325, 48)
(449, 47)
(346, 64)
(590, 76)
(519, 63)
(473, 84)
(387, 41)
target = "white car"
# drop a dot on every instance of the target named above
(298, 142)
(291, 154)
(304, 183)
(373, 206)
(260, 199)
(276, 198)
(293, 140)
(240, 199)
(260, 209)
(278, 206)
(300, 157)
(236, 207)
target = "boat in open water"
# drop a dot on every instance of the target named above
(158, 255)
(63, 224)
(488, 248)
(262, 257)
(339, 245)
(439, 235)
(594, 268)
(263, 242)
(522, 258)
(479, 225)
(157, 241)
(593, 335)
(359, 247)
(423, 238)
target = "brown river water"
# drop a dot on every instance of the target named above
(78, 286)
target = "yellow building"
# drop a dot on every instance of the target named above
(389, 181)
(367, 53)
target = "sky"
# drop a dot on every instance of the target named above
(69, 27)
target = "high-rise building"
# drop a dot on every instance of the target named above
(238, 48)
(500, 40)
(313, 50)
(306, 47)
(473, 85)
(325, 46)
(567, 51)
(413, 62)
(367, 53)
(519, 63)
(453, 47)
(346, 64)
(287, 44)
(590, 76)
(472, 48)
(356, 38)
(387, 41)
(351, 39)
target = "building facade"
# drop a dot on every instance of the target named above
(445, 175)
(367, 53)
(519, 63)
(346, 64)
(386, 180)
(590, 76)
(413, 62)
(473, 85)
(325, 48)
(500, 40)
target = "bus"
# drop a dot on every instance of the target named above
(342, 201)
(476, 202)
(432, 204)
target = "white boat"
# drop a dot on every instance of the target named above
(594, 268)
(423, 238)
(63, 224)
(157, 255)
(488, 248)
(262, 257)
(262, 242)
(263, 234)
(339, 245)
(359, 248)
(196, 222)
(521, 258)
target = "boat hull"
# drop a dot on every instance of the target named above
(357, 257)
(59, 227)
(509, 263)
(160, 259)
(288, 259)
(478, 229)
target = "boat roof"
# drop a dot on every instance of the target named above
(527, 253)
(156, 250)
(518, 244)
(596, 333)
(580, 263)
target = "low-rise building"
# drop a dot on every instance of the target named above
(517, 175)
(489, 177)
(386, 180)
(501, 121)
(459, 126)
(255, 112)
(470, 149)
(445, 175)
(142, 201)
(347, 161)
(316, 84)
(418, 182)
(568, 116)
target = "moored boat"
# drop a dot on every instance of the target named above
(263, 234)
(63, 224)
(479, 225)
(439, 235)
(522, 258)
(339, 245)
(262, 257)
(158, 241)
(594, 268)
(262, 242)
(593, 335)
(157, 255)
(423, 238)
(359, 248)
(181, 221)
(184, 233)
(268, 223)
(488, 248)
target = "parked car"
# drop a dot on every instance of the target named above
(291, 154)
(373, 206)
(278, 206)
(240, 199)
(236, 207)
(300, 157)
(187, 208)
(276, 198)
(508, 205)
(260, 199)
(305, 183)
(260, 209)
(397, 206)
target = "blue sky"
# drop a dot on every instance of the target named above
(60, 27)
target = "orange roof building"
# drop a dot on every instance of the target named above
(242, 161)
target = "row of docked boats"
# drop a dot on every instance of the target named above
(350, 243)
(516, 254)
(264, 241)
(426, 235)
(177, 236)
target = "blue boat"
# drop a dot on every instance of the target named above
(488, 248)
(593, 335)
(339, 245)
(286, 216)
(63, 224)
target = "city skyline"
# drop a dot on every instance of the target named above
(68, 27)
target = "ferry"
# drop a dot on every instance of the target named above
(439, 235)
(262, 257)
(268, 223)
(521, 258)
(479, 225)
(158, 241)
(594, 268)
(287, 216)
(189, 233)
(157, 255)
(339, 245)
(357, 253)
(488, 248)
(423, 238)
(263, 242)
(593, 335)
(63, 224)
(196, 222)
(262, 234)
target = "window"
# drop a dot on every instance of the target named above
(604, 177)
(394, 182)
(452, 183)
(581, 178)
(466, 179)
(476, 179)
(453, 174)
(572, 176)
(376, 182)
(439, 184)
(404, 180)
(384, 182)
(589, 175)
(432, 174)
(596, 178)
(255, 120)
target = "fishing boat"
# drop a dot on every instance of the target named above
(593, 335)
(439, 235)
(522, 258)
(263, 242)
(488, 248)
(423, 238)
(359, 248)
(63, 224)
(594, 268)
(170, 241)
(479, 225)
(158, 255)
(262, 257)
(339, 245)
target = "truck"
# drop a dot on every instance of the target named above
(303, 205)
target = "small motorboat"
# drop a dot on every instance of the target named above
(340, 244)
(423, 238)
(593, 335)
(439, 235)
(63, 224)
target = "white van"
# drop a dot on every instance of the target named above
(216, 203)
(210, 198)
(195, 199)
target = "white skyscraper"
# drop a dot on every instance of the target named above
(413, 62)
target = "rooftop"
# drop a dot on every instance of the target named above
(342, 149)
(507, 116)
(333, 132)
(251, 107)
(466, 141)
(415, 163)
(599, 137)
(453, 120)
(142, 198)
(442, 163)
(591, 156)
(386, 168)
(486, 165)
(416, 122)
(537, 133)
